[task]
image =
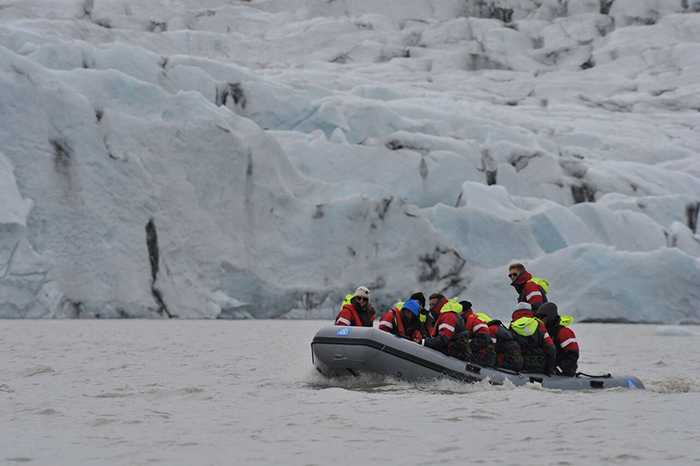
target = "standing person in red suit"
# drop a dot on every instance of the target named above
(356, 310)
(564, 338)
(530, 289)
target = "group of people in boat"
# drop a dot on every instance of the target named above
(538, 339)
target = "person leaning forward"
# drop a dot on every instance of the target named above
(356, 310)
(508, 355)
(449, 335)
(483, 350)
(426, 319)
(564, 338)
(537, 348)
(403, 320)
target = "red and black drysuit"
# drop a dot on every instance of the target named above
(433, 315)
(564, 340)
(567, 349)
(483, 351)
(539, 353)
(396, 323)
(528, 292)
(449, 335)
(508, 355)
(350, 315)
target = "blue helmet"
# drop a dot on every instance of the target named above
(412, 305)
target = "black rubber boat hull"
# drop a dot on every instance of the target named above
(342, 351)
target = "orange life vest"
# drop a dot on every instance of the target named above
(399, 321)
(355, 315)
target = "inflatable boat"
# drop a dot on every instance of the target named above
(349, 351)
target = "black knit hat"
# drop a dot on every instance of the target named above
(466, 305)
(548, 310)
(420, 297)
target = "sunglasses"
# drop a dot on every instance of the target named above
(512, 275)
(359, 298)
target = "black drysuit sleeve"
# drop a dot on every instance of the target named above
(438, 342)
(550, 354)
(482, 340)
(567, 361)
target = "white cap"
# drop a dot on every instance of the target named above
(524, 306)
(362, 292)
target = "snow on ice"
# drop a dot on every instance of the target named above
(262, 158)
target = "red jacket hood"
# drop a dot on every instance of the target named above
(438, 307)
(521, 313)
(522, 278)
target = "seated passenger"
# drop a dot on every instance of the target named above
(402, 320)
(508, 355)
(467, 311)
(356, 310)
(436, 302)
(482, 347)
(564, 338)
(535, 344)
(449, 335)
(420, 297)
(427, 321)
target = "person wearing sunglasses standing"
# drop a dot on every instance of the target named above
(531, 290)
(356, 310)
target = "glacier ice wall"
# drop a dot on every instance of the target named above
(262, 158)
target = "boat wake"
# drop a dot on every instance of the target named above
(372, 382)
(674, 385)
(365, 382)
